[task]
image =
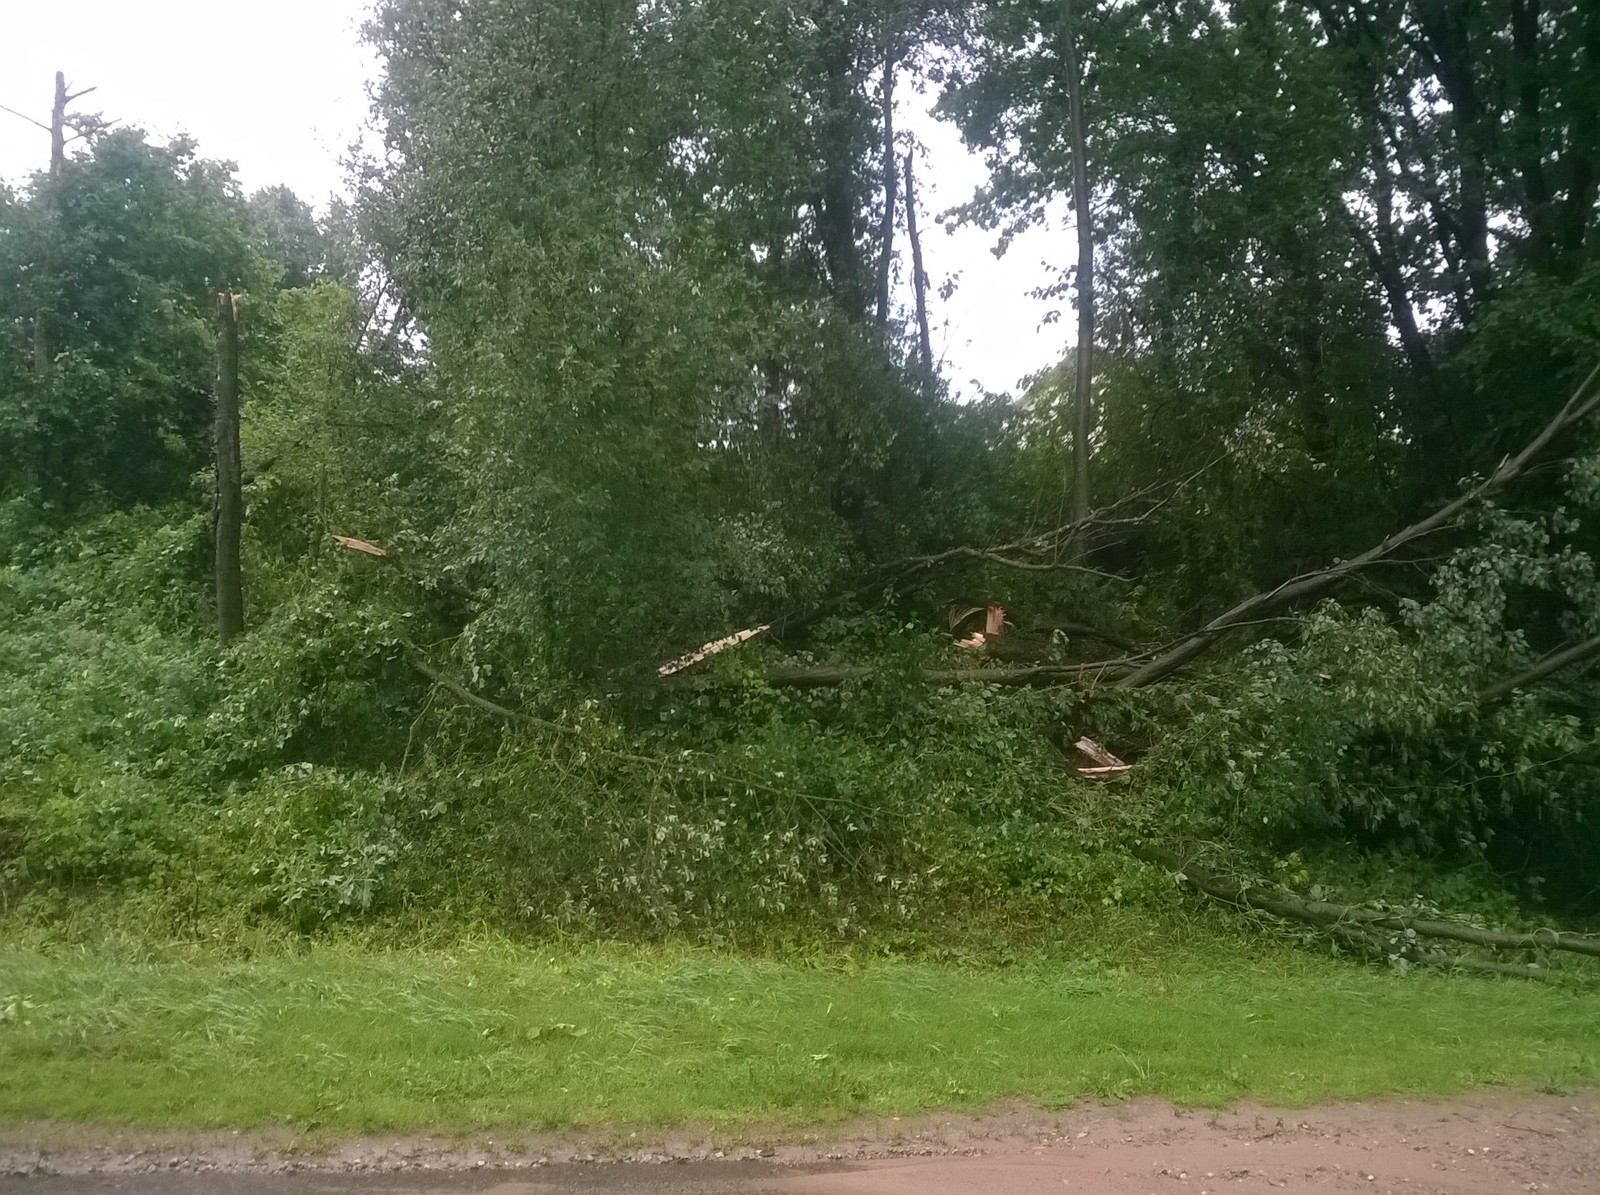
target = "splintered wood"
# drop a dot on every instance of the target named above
(1102, 764)
(711, 649)
(994, 624)
(358, 545)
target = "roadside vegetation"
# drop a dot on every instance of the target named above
(616, 567)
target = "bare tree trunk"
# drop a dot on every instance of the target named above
(891, 182)
(58, 127)
(1084, 375)
(229, 512)
(919, 276)
(43, 344)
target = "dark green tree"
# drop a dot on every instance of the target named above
(122, 253)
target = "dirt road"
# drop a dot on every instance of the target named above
(1476, 1146)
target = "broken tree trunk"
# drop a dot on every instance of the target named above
(43, 346)
(1353, 917)
(1585, 399)
(228, 516)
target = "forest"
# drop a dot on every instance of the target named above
(602, 555)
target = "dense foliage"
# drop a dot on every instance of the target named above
(610, 356)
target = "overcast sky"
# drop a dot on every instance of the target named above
(280, 88)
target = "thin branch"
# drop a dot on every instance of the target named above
(919, 563)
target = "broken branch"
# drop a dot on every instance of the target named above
(1416, 955)
(1552, 663)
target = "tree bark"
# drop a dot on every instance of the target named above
(919, 276)
(1552, 663)
(43, 347)
(229, 511)
(58, 127)
(839, 200)
(1084, 374)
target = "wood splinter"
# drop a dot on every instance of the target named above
(1103, 764)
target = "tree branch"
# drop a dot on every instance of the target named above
(1554, 662)
(679, 762)
(826, 676)
(1054, 550)
(24, 116)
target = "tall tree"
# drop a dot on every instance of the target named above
(641, 245)
(1083, 208)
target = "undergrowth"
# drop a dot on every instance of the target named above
(313, 777)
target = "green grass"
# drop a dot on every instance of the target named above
(341, 1038)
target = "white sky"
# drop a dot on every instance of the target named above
(280, 89)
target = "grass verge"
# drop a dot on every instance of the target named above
(341, 1038)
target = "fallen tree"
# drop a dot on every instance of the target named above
(1584, 401)
(1356, 925)
(1049, 551)
(1087, 674)
(1551, 664)
(686, 762)
(1058, 548)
